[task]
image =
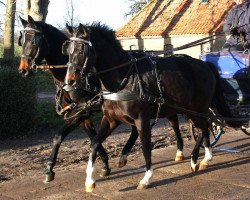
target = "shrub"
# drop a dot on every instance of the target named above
(46, 116)
(17, 101)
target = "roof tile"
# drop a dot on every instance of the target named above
(161, 17)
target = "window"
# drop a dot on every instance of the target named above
(204, 1)
(133, 47)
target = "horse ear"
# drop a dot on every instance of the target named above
(83, 30)
(24, 22)
(70, 29)
(31, 21)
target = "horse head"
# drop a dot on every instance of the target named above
(80, 51)
(34, 45)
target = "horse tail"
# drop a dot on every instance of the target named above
(219, 101)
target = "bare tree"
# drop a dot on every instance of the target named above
(2, 3)
(9, 30)
(38, 9)
(135, 6)
(70, 18)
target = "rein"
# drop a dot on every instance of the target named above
(46, 67)
(185, 46)
(133, 60)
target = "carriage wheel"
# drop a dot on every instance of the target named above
(215, 133)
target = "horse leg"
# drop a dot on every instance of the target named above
(173, 120)
(144, 131)
(90, 130)
(202, 124)
(58, 139)
(127, 148)
(208, 152)
(104, 131)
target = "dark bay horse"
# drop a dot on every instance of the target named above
(48, 39)
(134, 86)
(42, 41)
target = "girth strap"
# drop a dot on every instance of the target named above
(121, 96)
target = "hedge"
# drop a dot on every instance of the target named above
(18, 103)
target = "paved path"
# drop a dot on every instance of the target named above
(228, 177)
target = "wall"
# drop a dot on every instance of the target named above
(157, 43)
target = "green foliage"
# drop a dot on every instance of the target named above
(13, 63)
(45, 82)
(17, 100)
(46, 116)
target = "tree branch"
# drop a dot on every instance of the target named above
(2, 3)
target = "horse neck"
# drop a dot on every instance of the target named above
(55, 57)
(111, 80)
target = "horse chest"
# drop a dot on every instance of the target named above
(115, 110)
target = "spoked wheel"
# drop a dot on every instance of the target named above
(215, 133)
(215, 129)
(246, 129)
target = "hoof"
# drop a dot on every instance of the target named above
(142, 186)
(49, 177)
(179, 158)
(195, 168)
(90, 188)
(105, 172)
(203, 165)
(122, 162)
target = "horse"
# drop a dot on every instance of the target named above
(41, 41)
(135, 88)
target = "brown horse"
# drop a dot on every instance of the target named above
(136, 88)
(41, 41)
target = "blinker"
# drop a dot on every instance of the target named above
(67, 48)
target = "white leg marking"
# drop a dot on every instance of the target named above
(208, 154)
(179, 153)
(89, 174)
(193, 165)
(147, 176)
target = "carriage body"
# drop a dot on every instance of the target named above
(234, 71)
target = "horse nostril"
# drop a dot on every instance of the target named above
(23, 71)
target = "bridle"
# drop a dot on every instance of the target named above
(87, 51)
(38, 41)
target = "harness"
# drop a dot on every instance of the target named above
(132, 95)
(37, 42)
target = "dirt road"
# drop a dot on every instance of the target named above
(22, 162)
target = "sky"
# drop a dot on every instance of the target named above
(110, 12)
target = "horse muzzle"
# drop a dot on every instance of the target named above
(25, 67)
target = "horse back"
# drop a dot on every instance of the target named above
(188, 81)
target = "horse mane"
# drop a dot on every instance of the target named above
(49, 29)
(96, 28)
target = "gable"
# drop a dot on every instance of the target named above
(177, 17)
